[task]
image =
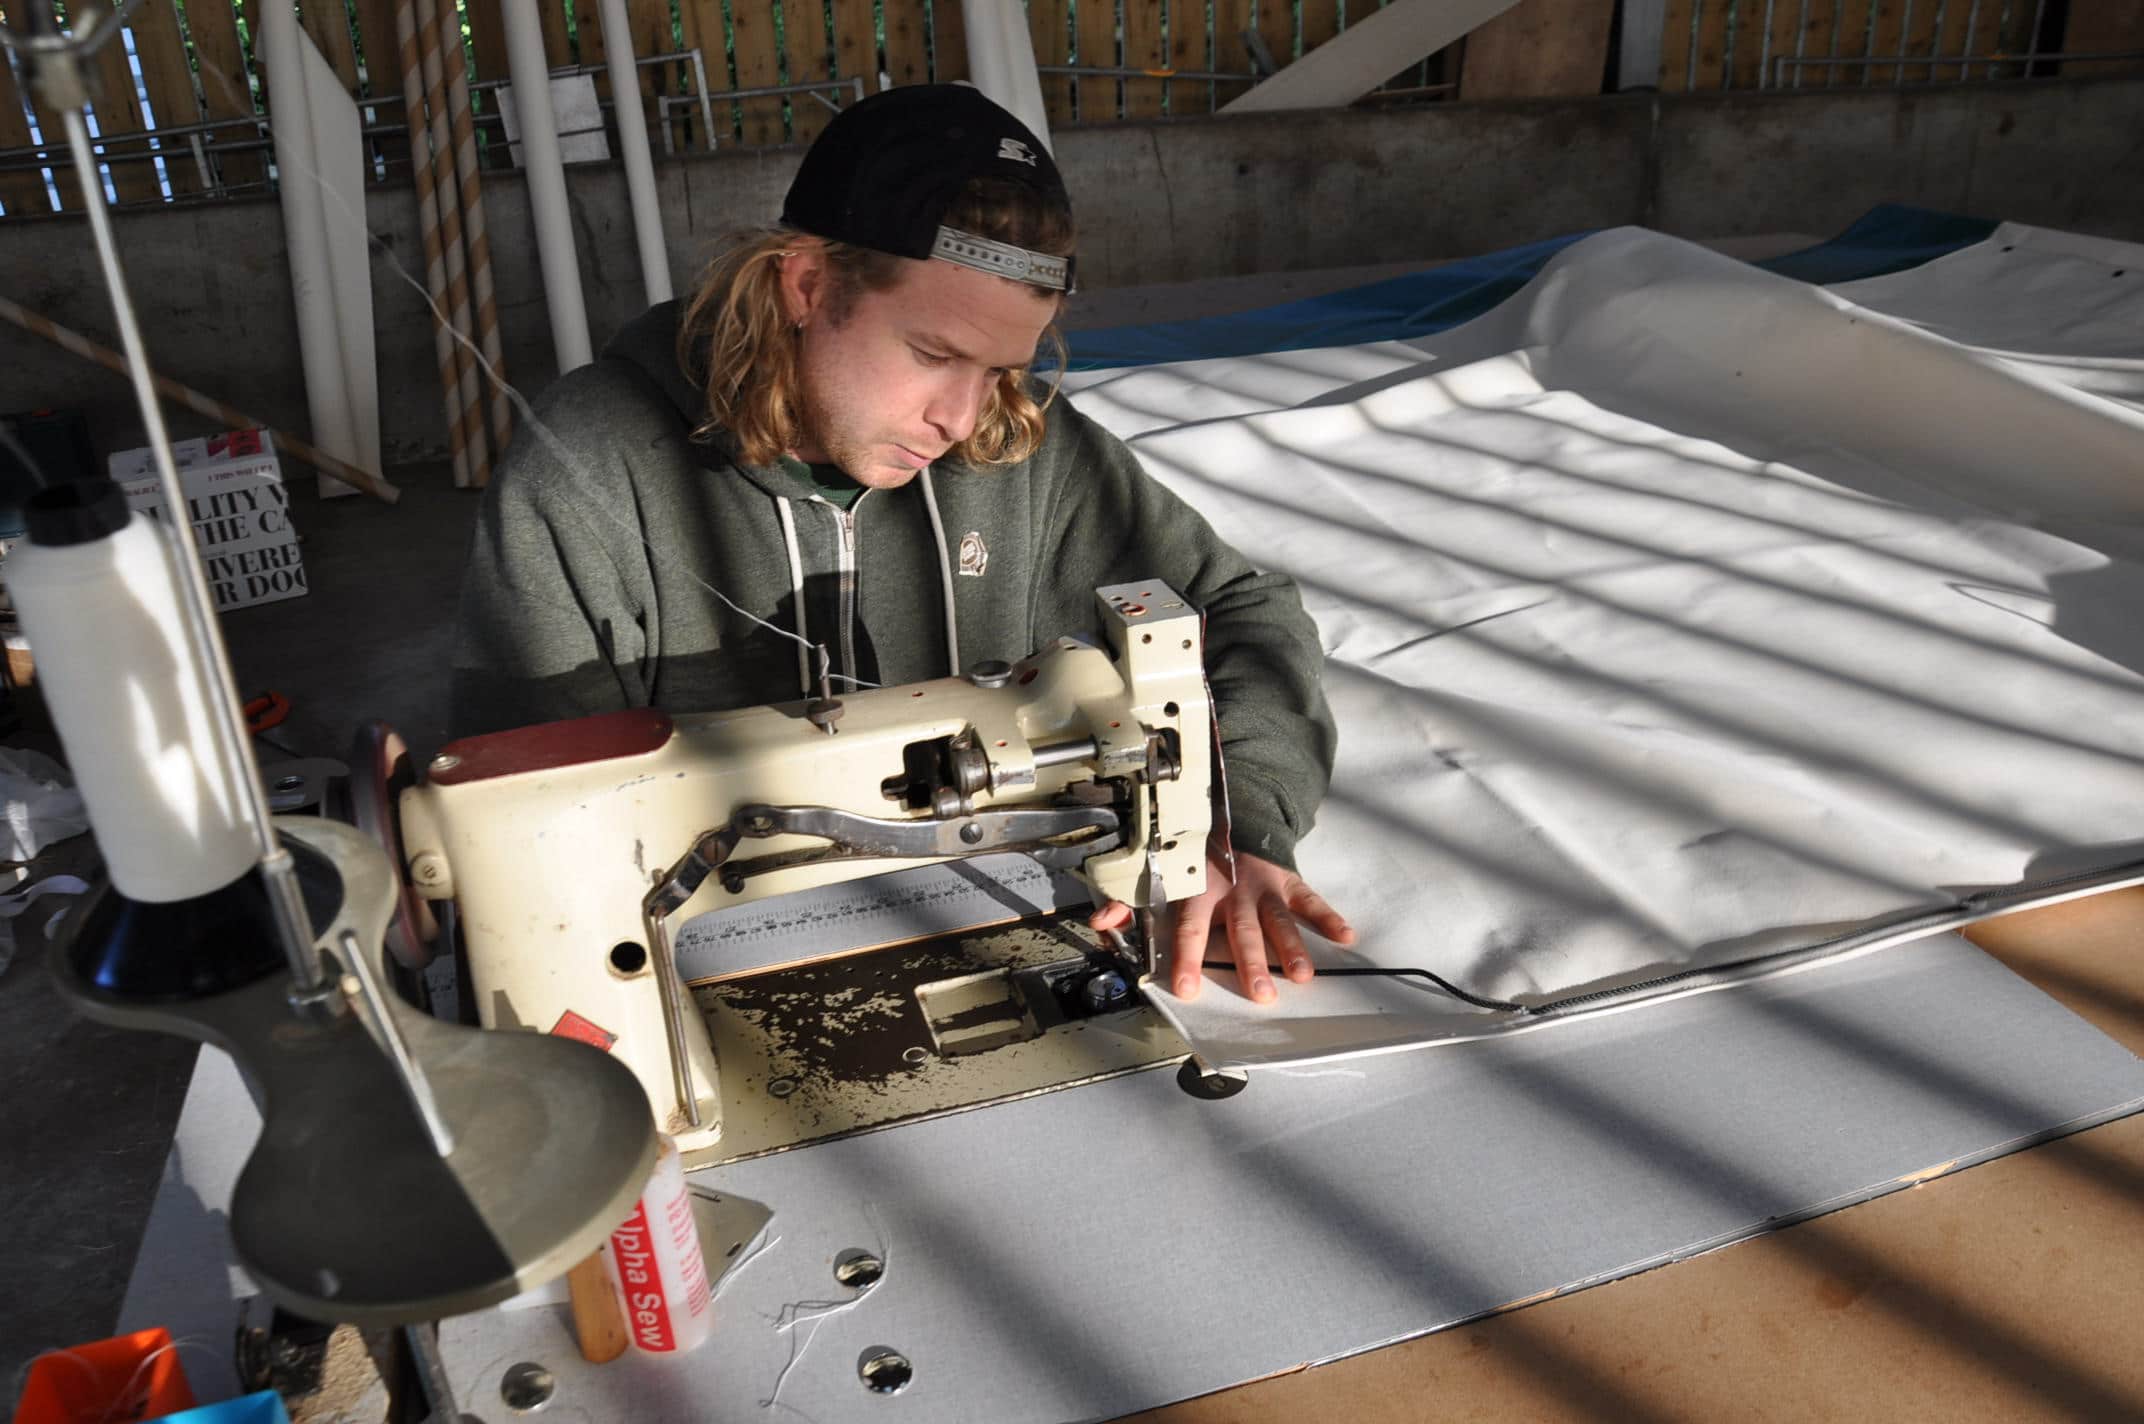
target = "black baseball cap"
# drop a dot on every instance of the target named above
(886, 169)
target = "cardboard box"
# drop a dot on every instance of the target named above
(240, 510)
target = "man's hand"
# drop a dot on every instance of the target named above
(1258, 914)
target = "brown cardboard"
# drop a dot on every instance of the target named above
(2009, 1291)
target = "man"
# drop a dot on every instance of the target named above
(837, 444)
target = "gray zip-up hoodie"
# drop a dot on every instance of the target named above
(613, 555)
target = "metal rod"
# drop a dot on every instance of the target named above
(1059, 753)
(1972, 27)
(475, 232)
(388, 1034)
(1865, 61)
(204, 636)
(438, 1390)
(1125, 72)
(707, 112)
(632, 120)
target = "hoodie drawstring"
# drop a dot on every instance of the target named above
(796, 583)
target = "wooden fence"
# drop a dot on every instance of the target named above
(189, 63)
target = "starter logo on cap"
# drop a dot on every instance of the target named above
(1017, 151)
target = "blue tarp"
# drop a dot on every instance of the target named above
(1887, 239)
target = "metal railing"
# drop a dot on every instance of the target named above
(818, 89)
(171, 142)
(2028, 59)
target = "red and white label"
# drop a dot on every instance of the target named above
(572, 1025)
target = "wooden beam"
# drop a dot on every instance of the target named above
(160, 49)
(328, 25)
(1886, 38)
(1187, 50)
(949, 41)
(214, 26)
(855, 47)
(1143, 50)
(118, 110)
(758, 65)
(487, 40)
(1049, 28)
(1677, 47)
(1097, 21)
(1540, 49)
(908, 42)
(1711, 44)
(21, 193)
(1365, 55)
(1231, 55)
(810, 54)
(2110, 25)
(704, 31)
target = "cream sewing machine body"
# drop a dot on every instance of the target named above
(575, 850)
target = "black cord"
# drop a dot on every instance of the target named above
(1366, 971)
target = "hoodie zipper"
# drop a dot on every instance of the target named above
(849, 573)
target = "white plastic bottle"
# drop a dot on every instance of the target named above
(655, 1261)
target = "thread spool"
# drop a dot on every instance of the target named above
(99, 602)
(655, 1260)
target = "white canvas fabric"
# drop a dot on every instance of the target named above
(1677, 613)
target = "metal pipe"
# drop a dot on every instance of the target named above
(1121, 72)
(424, 181)
(545, 174)
(1058, 753)
(469, 181)
(387, 1034)
(467, 403)
(1865, 61)
(707, 111)
(234, 746)
(632, 124)
(201, 171)
(1972, 27)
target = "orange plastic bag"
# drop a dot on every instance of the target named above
(117, 1381)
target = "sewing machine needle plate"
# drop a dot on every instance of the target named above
(844, 1045)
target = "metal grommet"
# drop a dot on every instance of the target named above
(884, 1370)
(527, 1387)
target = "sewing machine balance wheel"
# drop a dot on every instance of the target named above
(382, 771)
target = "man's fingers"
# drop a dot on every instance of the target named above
(1194, 924)
(1326, 920)
(1286, 939)
(1247, 940)
(1113, 916)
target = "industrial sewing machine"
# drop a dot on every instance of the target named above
(575, 850)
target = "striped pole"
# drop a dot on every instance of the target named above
(474, 233)
(469, 387)
(69, 339)
(435, 266)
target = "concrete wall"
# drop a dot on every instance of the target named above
(1159, 202)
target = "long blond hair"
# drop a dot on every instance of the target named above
(738, 344)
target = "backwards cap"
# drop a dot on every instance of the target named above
(885, 171)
